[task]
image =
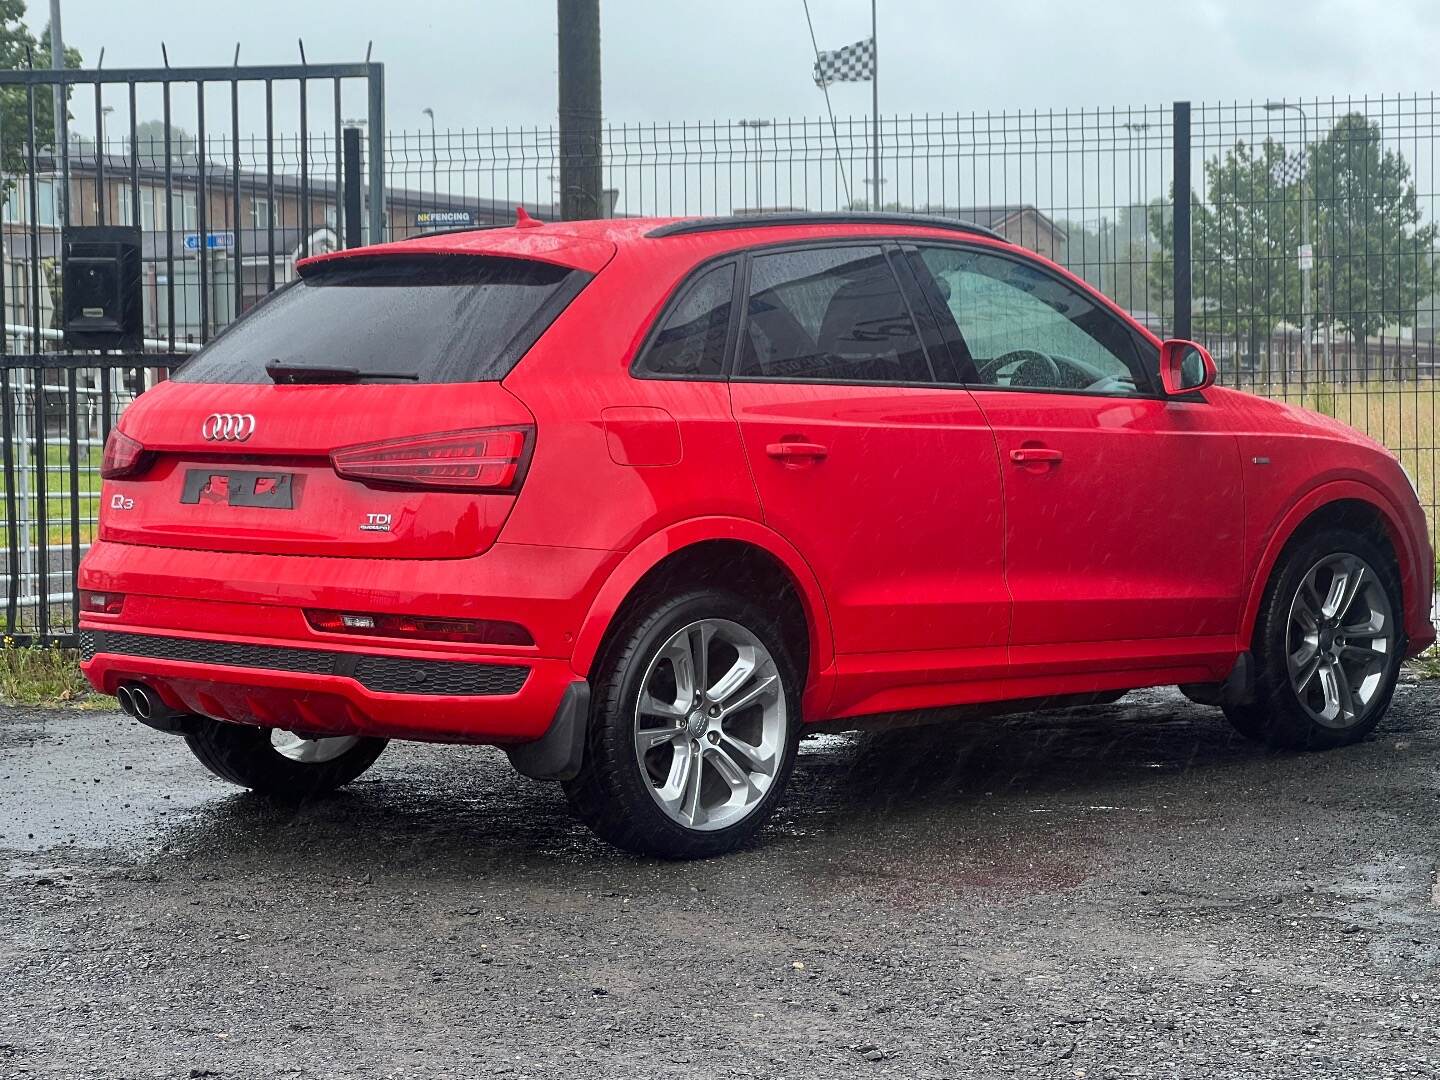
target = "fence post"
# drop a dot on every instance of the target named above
(1181, 245)
(351, 186)
(376, 82)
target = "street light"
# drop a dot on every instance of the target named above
(1307, 253)
(757, 125)
(434, 153)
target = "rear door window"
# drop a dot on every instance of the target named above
(439, 319)
(691, 340)
(829, 314)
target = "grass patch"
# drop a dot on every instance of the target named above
(41, 676)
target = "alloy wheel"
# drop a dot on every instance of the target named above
(310, 751)
(710, 724)
(1341, 639)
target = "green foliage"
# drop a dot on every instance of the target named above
(150, 142)
(1375, 258)
(1113, 255)
(33, 676)
(19, 48)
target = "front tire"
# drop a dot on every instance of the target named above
(279, 763)
(693, 728)
(1327, 645)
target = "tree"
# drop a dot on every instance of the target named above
(1112, 255)
(19, 49)
(1375, 259)
(150, 143)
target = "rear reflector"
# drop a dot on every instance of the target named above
(481, 459)
(123, 457)
(104, 603)
(472, 631)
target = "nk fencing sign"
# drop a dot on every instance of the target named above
(447, 219)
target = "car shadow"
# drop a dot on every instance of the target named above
(462, 810)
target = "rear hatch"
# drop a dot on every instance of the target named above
(357, 412)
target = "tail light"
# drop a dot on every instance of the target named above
(103, 603)
(481, 459)
(474, 631)
(124, 457)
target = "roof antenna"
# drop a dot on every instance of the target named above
(524, 220)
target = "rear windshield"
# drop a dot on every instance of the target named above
(453, 318)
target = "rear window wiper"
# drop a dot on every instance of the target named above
(281, 372)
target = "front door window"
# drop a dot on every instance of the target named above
(1027, 330)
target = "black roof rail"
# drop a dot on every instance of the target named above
(690, 226)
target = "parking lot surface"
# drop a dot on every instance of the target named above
(1114, 891)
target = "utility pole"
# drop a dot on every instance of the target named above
(62, 151)
(581, 173)
(1306, 253)
(875, 103)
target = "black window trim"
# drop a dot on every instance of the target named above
(889, 248)
(678, 295)
(964, 364)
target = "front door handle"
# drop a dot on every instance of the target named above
(1036, 455)
(796, 451)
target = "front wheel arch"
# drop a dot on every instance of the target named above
(1343, 504)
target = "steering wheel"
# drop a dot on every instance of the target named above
(1030, 368)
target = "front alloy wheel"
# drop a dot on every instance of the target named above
(1327, 645)
(1342, 638)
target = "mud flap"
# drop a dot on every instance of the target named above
(557, 754)
(1237, 689)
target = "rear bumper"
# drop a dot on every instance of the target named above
(387, 693)
(225, 635)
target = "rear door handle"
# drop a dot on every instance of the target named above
(1036, 455)
(796, 451)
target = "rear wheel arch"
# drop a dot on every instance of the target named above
(1346, 505)
(739, 556)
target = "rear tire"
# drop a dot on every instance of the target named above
(279, 764)
(698, 766)
(1327, 645)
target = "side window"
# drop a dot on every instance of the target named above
(1027, 330)
(691, 340)
(831, 313)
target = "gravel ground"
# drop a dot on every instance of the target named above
(1119, 891)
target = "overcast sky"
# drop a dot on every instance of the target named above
(488, 62)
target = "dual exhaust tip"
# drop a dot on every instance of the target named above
(139, 701)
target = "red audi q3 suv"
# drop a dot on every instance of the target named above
(639, 501)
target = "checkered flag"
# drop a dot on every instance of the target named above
(1289, 170)
(853, 63)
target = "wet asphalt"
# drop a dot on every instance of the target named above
(1123, 891)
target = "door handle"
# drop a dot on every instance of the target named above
(796, 451)
(1036, 455)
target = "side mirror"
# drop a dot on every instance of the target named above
(1185, 367)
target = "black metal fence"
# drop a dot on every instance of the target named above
(225, 205)
(1304, 256)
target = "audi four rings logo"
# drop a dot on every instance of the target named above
(228, 427)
